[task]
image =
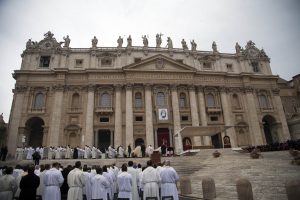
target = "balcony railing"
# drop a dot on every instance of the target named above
(213, 109)
(37, 110)
(104, 110)
(74, 110)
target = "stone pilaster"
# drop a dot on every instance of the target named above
(55, 119)
(63, 59)
(15, 119)
(226, 107)
(129, 116)
(93, 60)
(285, 129)
(149, 117)
(118, 116)
(206, 140)
(194, 113)
(176, 120)
(253, 118)
(89, 119)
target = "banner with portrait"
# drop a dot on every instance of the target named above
(163, 114)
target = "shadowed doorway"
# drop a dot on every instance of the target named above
(35, 132)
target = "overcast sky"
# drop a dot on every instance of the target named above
(272, 24)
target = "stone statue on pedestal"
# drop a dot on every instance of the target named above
(28, 44)
(184, 45)
(94, 42)
(145, 41)
(120, 42)
(158, 40)
(169, 43)
(214, 47)
(194, 45)
(129, 41)
(67, 41)
(237, 48)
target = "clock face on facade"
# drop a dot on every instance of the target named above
(253, 52)
(47, 45)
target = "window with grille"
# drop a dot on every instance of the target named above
(39, 101)
(138, 100)
(182, 100)
(210, 100)
(160, 99)
(263, 101)
(105, 100)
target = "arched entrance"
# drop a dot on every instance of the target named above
(269, 124)
(104, 139)
(139, 142)
(163, 137)
(216, 140)
(34, 127)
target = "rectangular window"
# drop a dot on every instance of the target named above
(78, 63)
(255, 66)
(104, 119)
(184, 118)
(214, 118)
(206, 65)
(229, 67)
(45, 61)
(138, 118)
(106, 62)
(137, 60)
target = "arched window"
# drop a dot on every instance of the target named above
(75, 100)
(263, 101)
(210, 100)
(39, 101)
(138, 100)
(105, 100)
(235, 101)
(160, 99)
(182, 100)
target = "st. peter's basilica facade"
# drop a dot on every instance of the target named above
(140, 94)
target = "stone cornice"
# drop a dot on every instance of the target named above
(58, 87)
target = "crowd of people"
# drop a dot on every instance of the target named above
(30, 153)
(289, 144)
(131, 182)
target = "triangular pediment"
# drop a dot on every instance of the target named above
(159, 63)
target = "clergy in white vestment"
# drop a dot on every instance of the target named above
(169, 178)
(149, 150)
(18, 180)
(135, 180)
(76, 181)
(150, 180)
(114, 177)
(68, 152)
(111, 152)
(8, 185)
(40, 190)
(88, 184)
(121, 152)
(53, 179)
(94, 152)
(137, 152)
(100, 185)
(29, 153)
(109, 177)
(125, 184)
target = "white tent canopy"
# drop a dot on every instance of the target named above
(189, 131)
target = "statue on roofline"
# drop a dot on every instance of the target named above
(120, 42)
(129, 41)
(94, 42)
(158, 40)
(67, 41)
(145, 41)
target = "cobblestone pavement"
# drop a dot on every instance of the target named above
(267, 175)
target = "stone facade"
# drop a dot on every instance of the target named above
(130, 95)
(290, 97)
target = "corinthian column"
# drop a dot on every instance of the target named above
(129, 115)
(55, 119)
(149, 121)
(206, 139)
(176, 120)
(89, 120)
(253, 118)
(194, 113)
(15, 119)
(226, 106)
(118, 117)
(285, 129)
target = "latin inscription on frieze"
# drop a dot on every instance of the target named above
(106, 76)
(158, 76)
